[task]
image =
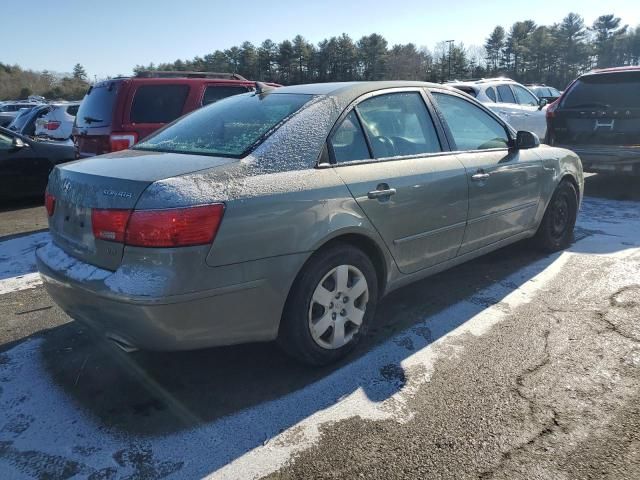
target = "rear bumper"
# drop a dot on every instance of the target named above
(608, 159)
(244, 312)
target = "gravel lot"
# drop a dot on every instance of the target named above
(514, 366)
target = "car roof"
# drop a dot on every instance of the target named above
(346, 90)
(629, 68)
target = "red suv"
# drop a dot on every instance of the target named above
(115, 114)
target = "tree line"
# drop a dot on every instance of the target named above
(17, 83)
(530, 53)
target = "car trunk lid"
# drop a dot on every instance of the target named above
(109, 182)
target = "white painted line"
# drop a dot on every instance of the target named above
(23, 282)
(18, 262)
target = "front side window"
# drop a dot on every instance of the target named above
(213, 93)
(505, 95)
(398, 124)
(158, 103)
(471, 127)
(348, 142)
(524, 97)
(229, 127)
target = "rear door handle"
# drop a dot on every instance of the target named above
(477, 177)
(382, 191)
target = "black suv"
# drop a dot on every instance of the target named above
(598, 117)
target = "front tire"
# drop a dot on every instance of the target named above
(330, 305)
(556, 229)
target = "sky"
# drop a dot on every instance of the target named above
(110, 37)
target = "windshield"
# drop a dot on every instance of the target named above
(619, 90)
(96, 108)
(229, 127)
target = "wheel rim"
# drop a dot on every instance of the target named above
(560, 216)
(337, 306)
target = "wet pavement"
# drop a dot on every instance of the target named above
(516, 365)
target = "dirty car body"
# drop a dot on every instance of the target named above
(279, 194)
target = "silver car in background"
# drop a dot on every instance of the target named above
(287, 213)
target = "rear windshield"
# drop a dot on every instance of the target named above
(229, 127)
(620, 90)
(158, 103)
(214, 93)
(97, 105)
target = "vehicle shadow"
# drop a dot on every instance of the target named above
(149, 393)
(231, 400)
(613, 187)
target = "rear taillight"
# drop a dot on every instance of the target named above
(109, 225)
(52, 125)
(122, 140)
(49, 203)
(178, 227)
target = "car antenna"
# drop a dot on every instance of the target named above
(262, 88)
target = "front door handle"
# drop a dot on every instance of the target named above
(381, 191)
(480, 176)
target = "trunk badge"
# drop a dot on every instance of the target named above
(113, 193)
(66, 186)
(600, 124)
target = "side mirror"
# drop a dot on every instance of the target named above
(18, 143)
(542, 102)
(526, 140)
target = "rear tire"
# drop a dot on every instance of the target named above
(556, 229)
(331, 303)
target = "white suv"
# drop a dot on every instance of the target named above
(58, 122)
(515, 103)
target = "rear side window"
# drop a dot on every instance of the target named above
(616, 90)
(73, 110)
(505, 94)
(491, 93)
(348, 142)
(524, 97)
(471, 127)
(398, 124)
(158, 103)
(213, 93)
(97, 105)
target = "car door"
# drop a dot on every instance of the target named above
(504, 184)
(388, 151)
(534, 117)
(23, 171)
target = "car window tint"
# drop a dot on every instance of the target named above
(524, 97)
(505, 94)
(348, 142)
(6, 142)
(491, 93)
(471, 127)
(96, 108)
(605, 90)
(73, 110)
(398, 124)
(214, 93)
(554, 92)
(158, 103)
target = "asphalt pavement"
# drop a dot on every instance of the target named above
(515, 365)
